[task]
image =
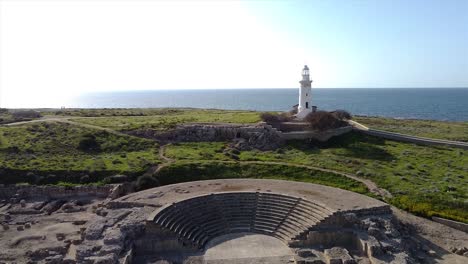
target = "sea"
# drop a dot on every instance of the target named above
(448, 104)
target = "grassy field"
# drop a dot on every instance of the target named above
(5, 117)
(424, 180)
(53, 147)
(163, 119)
(184, 171)
(423, 128)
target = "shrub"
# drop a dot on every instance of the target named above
(85, 179)
(116, 179)
(88, 143)
(276, 118)
(342, 114)
(146, 182)
(322, 120)
(26, 114)
(32, 178)
(294, 110)
(269, 117)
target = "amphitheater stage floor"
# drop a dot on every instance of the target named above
(246, 248)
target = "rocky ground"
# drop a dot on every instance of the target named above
(434, 242)
(43, 230)
(79, 229)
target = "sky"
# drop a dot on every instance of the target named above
(51, 50)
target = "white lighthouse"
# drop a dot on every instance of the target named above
(305, 107)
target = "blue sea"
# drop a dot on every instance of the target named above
(419, 103)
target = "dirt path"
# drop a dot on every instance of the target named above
(166, 160)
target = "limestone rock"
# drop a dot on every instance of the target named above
(94, 229)
(108, 249)
(84, 251)
(42, 253)
(79, 222)
(52, 206)
(57, 259)
(107, 259)
(60, 236)
(260, 136)
(337, 255)
(114, 237)
(305, 253)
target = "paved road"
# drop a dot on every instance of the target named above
(407, 138)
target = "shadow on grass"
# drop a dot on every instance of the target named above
(351, 145)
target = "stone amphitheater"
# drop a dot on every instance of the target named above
(215, 221)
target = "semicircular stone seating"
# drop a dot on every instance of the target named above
(197, 220)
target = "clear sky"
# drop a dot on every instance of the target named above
(52, 49)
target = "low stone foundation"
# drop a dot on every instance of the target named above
(316, 135)
(59, 192)
(453, 224)
(260, 136)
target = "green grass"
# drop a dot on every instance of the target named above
(98, 112)
(169, 119)
(52, 147)
(424, 128)
(197, 151)
(424, 180)
(6, 117)
(187, 171)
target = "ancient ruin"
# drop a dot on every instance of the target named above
(215, 221)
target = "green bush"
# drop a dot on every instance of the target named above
(272, 118)
(427, 207)
(85, 179)
(146, 182)
(322, 120)
(342, 114)
(88, 143)
(2, 141)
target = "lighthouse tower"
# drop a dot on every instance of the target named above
(305, 96)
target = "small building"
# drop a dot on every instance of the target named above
(305, 95)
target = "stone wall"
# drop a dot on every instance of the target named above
(453, 224)
(320, 136)
(292, 126)
(260, 136)
(56, 192)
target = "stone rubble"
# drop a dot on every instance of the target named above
(73, 230)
